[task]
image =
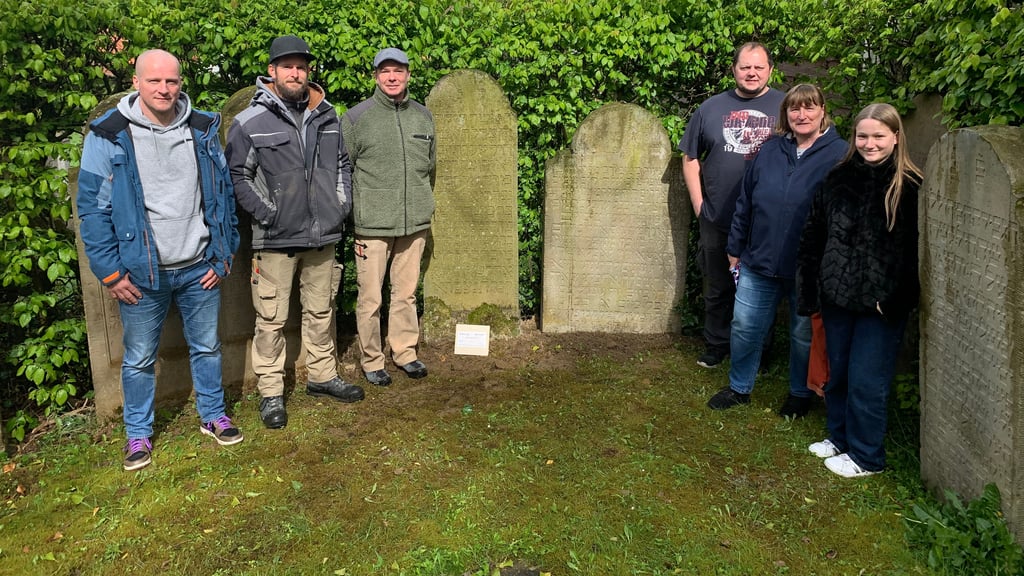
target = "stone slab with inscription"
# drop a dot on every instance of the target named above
(615, 228)
(474, 256)
(972, 315)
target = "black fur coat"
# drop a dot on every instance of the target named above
(847, 256)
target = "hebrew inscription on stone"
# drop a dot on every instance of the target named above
(615, 228)
(971, 360)
(475, 257)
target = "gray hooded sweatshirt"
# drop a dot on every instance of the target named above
(170, 182)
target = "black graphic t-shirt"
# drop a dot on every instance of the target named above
(725, 133)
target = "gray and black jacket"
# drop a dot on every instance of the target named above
(295, 181)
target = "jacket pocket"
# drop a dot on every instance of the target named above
(274, 153)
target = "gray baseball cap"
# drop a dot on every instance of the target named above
(390, 54)
(289, 46)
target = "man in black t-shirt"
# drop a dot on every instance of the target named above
(723, 135)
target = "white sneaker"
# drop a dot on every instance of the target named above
(846, 467)
(824, 449)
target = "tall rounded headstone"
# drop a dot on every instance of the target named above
(616, 221)
(972, 315)
(102, 317)
(474, 258)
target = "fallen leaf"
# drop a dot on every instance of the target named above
(56, 536)
(25, 549)
(207, 531)
(20, 489)
(550, 462)
(831, 554)
(9, 467)
(95, 510)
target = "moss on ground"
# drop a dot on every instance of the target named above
(560, 454)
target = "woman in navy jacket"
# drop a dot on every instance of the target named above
(774, 199)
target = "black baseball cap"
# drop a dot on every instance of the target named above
(289, 46)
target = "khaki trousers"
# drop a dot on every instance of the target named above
(372, 256)
(272, 278)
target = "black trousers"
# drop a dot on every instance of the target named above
(719, 288)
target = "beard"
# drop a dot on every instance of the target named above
(293, 92)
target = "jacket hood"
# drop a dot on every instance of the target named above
(131, 108)
(266, 94)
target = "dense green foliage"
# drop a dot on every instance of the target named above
(57, 59)
(969, 538)
(557, 61)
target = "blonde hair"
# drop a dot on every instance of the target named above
(797, 97)
(905, 167)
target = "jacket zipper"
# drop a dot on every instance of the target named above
(405, 172)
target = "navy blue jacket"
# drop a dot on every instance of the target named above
(775, 197)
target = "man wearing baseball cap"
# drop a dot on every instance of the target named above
(293, 176)
(390, 139)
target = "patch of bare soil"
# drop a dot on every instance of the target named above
(458, 381)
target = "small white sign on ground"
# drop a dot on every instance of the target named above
(472, 340)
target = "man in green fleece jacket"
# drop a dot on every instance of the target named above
(390, 141)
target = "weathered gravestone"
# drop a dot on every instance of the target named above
(972, 316)
(474, 258)
(616, 219)
(174, 379)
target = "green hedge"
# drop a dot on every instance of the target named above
(557, 61)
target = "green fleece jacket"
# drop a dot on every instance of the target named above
(392, 149)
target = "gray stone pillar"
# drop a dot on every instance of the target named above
(972, 319)
(474, 258)
(102, 318)
(616, 220)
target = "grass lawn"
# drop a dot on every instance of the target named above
(556, 454)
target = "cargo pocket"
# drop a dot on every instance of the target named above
(265, 298)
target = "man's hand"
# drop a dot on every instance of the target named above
(124, 291)
(210, 280)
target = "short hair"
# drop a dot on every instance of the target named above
(752, 46)
(797, 97)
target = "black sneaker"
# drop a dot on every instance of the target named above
(272, 412)
(137, 453)
(711, 358)
(796, 406)
(727, 398)
(335, 388)
(378, 377)
(415, 369)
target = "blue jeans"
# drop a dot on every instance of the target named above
(757, 298)
(143, 324)
(862, 351)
